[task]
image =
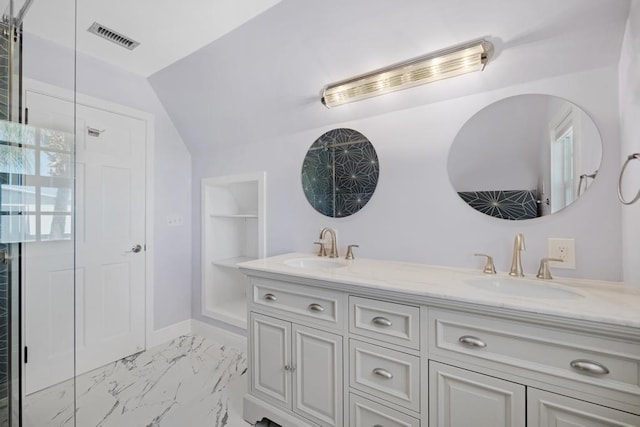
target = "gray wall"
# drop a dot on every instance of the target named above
(250, 101)
(629, 114)
(50, 63)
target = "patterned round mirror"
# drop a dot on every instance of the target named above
(525, 157)
(340, 173)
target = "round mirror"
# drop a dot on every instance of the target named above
(340, 173)
(524, 157)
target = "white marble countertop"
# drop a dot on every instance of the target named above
(596, 301)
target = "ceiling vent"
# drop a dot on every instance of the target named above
(113, 36)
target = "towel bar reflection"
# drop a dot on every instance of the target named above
(624, 166)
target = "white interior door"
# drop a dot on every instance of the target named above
(109, 234)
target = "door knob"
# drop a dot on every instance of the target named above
(135, 249)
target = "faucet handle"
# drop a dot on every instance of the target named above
(489, 267)
(350, 251)
(543, 270)
(323, 250)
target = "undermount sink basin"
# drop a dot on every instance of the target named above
(522, 287)
(317, 263)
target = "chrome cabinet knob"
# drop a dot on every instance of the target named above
(316, 307)
(471, 341)
(381, 321)
(589, 367)
(383, 373)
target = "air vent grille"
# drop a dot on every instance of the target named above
(113, 36)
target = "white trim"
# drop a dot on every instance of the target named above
(260, 178)
(149, 119)
(169, 333)
(219, 335)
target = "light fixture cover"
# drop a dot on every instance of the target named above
(439, 65)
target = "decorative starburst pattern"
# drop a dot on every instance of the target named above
(340, 172)
(509, 204)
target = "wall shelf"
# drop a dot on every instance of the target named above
(231, 262)
(241, 216)
(233, 231)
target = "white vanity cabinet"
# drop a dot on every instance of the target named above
(334, 353)
(296, 353)
(298, 368)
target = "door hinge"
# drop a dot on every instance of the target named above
(26, 354)
(26, 116)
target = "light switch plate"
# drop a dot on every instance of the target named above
(175, 220)
(564, 249)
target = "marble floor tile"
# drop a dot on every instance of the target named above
(190, 381)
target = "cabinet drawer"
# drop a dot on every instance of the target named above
(385, 321)
(301, 302)
(548, 409)
(365, 413)
(606, 363)
(388, 374)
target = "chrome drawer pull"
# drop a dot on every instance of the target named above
(316, 307)
(381, 321)
(471, 341)
(589, 367)
(270, 297)
(383, 373)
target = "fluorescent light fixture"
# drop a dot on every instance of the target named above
(439, 65)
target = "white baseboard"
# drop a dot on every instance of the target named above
(171, 332)
(219, 335)
(197, 327)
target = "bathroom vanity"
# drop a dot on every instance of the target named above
(379, 343)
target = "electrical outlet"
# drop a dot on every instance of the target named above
(175, 220)
(564, 249)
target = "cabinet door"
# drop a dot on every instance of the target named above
(546, 409)
(318, 375)
(461, 398)
(270, 358)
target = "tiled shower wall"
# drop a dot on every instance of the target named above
(4, 279)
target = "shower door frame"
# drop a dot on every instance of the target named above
(13, 254)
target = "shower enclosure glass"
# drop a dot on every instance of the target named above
(37, 274)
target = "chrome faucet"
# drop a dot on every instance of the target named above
(516, 262)
(543, 270)
(333, 252)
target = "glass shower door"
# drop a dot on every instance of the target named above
(12, 162)
(36, 220)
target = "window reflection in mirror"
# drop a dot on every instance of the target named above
(525, 157)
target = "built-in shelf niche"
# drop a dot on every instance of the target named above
(233, 231)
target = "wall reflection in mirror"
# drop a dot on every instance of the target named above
(525, 157)
(340, 173)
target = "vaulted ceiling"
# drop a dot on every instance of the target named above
(230, 71)
(167, 30)
(265, 78)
